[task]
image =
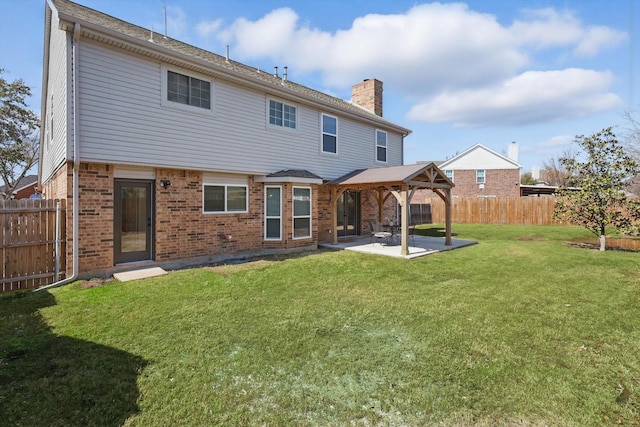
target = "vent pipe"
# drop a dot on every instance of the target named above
(275, 71)
(227, 59)
(284, 74)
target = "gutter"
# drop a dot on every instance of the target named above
(76, 165)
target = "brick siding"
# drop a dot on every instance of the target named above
(498, 183)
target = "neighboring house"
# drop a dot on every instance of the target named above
(481, 172)
(169, 154)
(26, 188)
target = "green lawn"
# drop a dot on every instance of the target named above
(521, 329)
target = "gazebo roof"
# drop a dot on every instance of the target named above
(418, 175)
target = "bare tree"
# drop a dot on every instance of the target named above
(554, 172)
(19, 139)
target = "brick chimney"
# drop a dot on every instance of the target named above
(368, 94)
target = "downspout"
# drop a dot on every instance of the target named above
(76, 166)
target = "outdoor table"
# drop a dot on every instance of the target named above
(395, 230)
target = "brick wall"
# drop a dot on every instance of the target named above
(60, 187)
(95, 217)
(498, 183)
(182, 230)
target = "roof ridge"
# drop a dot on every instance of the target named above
(234, 68)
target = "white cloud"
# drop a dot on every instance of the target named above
(425, 49)
(207, 28)
(531, 97)
(548, 28)
(597, 38)
(557, 141)
(455, 64)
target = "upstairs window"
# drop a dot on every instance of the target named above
(281, 114)
(188, 90)
(449, 174)
(329, 134)
(381, 146)
(479, 176)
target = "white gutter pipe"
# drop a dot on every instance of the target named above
(76, 165)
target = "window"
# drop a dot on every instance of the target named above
(479, 176)
(188, 90)
(301, 212)
(329, 134)
(273, 213)
(381, 146)
(449, 174)
(282, 115)
(225, 198)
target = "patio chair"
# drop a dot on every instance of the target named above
(377, 233)
(412, 231)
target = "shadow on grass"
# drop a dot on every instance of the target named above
(46, 379)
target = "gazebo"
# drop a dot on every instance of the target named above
(399, 181)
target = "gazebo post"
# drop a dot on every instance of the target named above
(447, 204)
(334, 214)
(404, 202)
(380, 199)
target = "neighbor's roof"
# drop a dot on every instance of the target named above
(428, 175)
(487, 152)
(24, 182)
(107, 29)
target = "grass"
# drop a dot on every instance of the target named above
(521, 329)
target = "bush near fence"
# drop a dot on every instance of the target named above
(28, 243)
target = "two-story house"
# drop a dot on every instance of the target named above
(481, 172)
(167, 153)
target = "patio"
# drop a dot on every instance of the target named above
(422, 245)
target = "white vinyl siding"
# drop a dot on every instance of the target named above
(57, 148)
(273, 213)
(122, 122)
(301, 212)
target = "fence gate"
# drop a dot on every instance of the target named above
(33, 243)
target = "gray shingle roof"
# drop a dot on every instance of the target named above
(394, 175)
(25, 181)
(137, 39)
(293, 173)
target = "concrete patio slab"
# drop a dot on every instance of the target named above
(422, 245)
(144, 273)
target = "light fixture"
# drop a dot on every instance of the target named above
(164, 183)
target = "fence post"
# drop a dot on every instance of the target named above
(57, 249)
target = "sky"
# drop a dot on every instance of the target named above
(537, 72)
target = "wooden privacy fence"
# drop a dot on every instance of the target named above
(33, 243)
(494, 210)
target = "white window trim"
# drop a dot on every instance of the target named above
(226, 211)
(272, 239)
(386, 147)
(293, 217)
(452, 174)
(164, 101)
(322, 133)
(484, 176)
(281, 127)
